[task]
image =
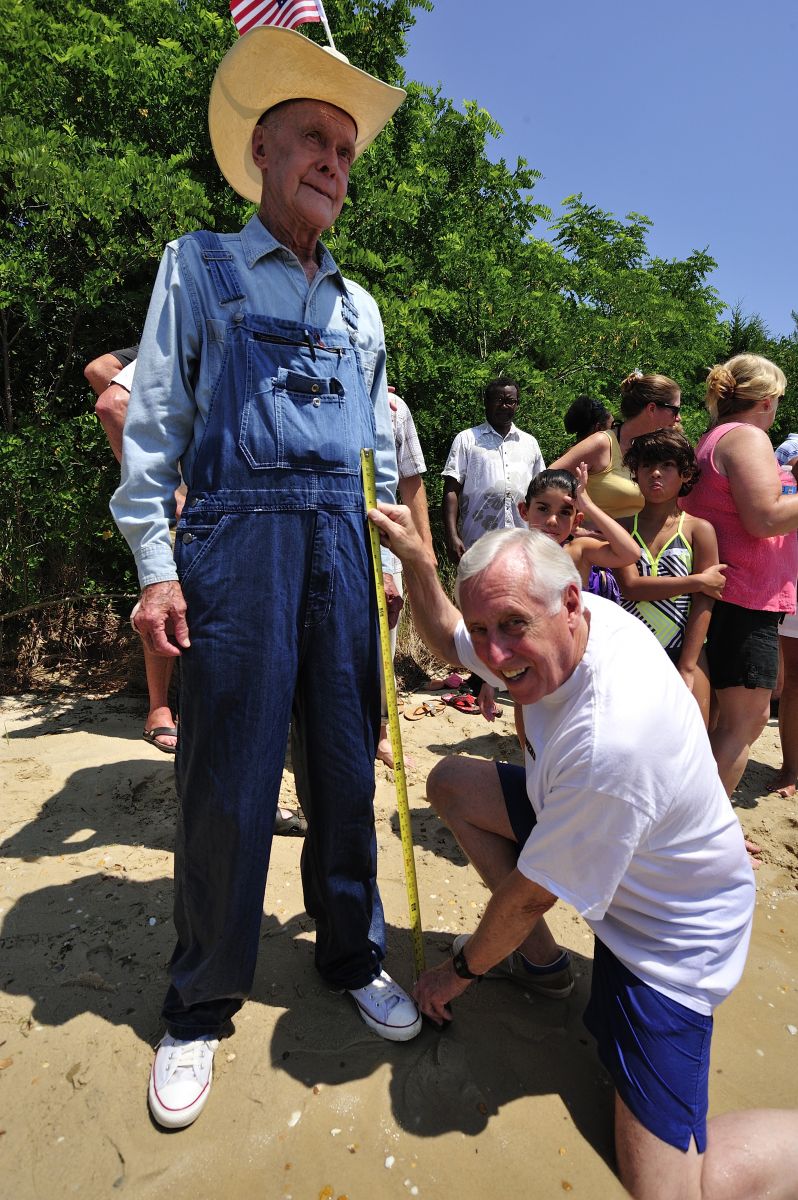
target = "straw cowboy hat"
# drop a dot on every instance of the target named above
(269, 65)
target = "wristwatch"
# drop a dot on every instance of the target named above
(461, 967)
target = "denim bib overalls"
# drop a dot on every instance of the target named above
(273, 558)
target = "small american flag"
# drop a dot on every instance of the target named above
(285, 13)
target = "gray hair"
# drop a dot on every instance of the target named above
(551, 569)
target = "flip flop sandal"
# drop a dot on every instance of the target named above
(152, 735)
(292, 826)
(423, 710)
(463, 704)
(452, 680)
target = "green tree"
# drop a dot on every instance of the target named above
(104, 156)
(626, 309)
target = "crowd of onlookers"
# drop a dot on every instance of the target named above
(700, 544)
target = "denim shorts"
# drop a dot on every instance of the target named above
(743, 647)
(655, 1049)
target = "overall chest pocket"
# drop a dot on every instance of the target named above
(298, 421)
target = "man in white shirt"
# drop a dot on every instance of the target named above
(487, 472)
(619, 810)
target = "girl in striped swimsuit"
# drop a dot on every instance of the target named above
(677, 577)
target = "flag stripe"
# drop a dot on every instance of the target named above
(286, 14)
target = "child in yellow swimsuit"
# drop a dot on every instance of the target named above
(677, 576)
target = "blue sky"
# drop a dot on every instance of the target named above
(684, 111)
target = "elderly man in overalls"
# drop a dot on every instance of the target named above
(262, 372)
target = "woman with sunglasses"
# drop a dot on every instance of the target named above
(740, 493)
(648, 402)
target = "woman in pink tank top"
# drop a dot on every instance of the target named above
(739, 492)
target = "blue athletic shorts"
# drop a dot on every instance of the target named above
(655, 1049)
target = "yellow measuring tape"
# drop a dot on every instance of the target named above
(370, 492)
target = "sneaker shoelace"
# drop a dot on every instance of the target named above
(188, 1056)
(385, 993)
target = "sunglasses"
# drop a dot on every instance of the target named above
(674, 408)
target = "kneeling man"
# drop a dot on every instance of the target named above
(620, 812)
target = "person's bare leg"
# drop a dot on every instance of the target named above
(701, 689)
(742, 715)
(649, 1168)
(384, 750)
(750, 1155)
(158, 670)
(467, 795)
(785, 781)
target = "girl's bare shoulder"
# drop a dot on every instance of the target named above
(697, 527)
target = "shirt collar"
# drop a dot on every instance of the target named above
(258, 243)
(486, 427)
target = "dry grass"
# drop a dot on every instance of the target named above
(88, 643)
(413, 662)
(85, 642)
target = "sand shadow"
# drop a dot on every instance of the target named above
(120, 715)
(429, 833)
(131, 803)
(101, 945)
(755, 784)
(492, 746)
(503, 1044)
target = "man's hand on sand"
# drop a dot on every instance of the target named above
(436, 988)
(159, 619)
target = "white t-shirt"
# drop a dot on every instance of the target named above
(495, 472)
(633, 827)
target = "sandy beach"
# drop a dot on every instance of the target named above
(307, 1104)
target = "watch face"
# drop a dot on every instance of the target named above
(461, 966)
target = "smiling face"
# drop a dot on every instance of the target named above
(660, 481)
(530, 648)
(553, 512)
(304, 150)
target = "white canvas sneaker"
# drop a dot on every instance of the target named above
(387, 1009)
(180, 1080)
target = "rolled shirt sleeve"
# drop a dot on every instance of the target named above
(160, 421)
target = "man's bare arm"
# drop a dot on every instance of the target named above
(434, 615)
(512, 913)
(100, 371)
(450, 508)
(111, 409)
(413, 493)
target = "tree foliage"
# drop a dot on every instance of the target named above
(104, 156)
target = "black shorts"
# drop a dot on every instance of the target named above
(126, 356)
(743, 647)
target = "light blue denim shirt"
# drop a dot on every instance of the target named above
(179, 360)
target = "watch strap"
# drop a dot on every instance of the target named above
(461, 966)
